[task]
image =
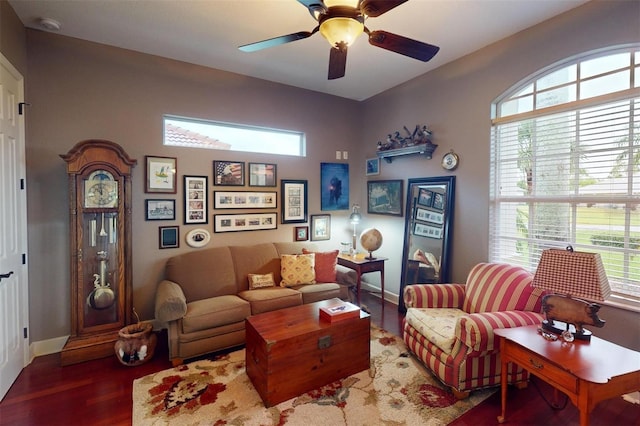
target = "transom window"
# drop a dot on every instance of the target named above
(196, 133)
(565, 166)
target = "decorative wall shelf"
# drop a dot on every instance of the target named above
(425, 149)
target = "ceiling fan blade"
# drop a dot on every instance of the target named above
(276, 41)
(403, 45)
(375, 8)
(337, 61)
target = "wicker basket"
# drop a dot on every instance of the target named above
(136, 344)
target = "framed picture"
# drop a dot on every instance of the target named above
(372, 166)
(195, 200)
(160, 174)
(302, 233)
(169, 237)
(438, 201)
(384, 197)
(320, 227)
(160, 209)
(262, 174)
(424, 230)
(294, 201)
(334, 186)
(429, 216)
(198, 238)
(245, 222)
(425, 197)
(228, 173)
(244, 200)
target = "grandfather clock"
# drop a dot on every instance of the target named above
(99, 174)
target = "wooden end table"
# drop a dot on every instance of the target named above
(587, 372)
(362, 266)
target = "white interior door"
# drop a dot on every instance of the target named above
(14, 315)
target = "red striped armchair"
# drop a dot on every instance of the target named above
(449, 327)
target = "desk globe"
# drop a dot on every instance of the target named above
(371, 240)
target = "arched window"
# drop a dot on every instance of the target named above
(565, 166)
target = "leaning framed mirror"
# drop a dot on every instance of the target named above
(427, 232)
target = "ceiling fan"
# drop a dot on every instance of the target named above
(341, 22)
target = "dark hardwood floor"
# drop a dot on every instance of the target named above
(99, 392)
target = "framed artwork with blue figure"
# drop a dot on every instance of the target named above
(334, 190)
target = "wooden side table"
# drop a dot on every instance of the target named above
(362, 266)
(587, 372)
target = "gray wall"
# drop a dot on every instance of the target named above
(82, 90)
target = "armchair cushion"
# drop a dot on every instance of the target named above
(436, 324)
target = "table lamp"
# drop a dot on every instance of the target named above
(575, 276)
(355, 218)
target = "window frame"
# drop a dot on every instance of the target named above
(624, 293)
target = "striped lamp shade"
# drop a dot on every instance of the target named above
(579, 274)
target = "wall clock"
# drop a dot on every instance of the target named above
(450, 160)
(99, 176)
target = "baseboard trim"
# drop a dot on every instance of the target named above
(46, 347)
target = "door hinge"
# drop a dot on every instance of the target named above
(24, 258)
(22, 183)
(21, 106)
(25, 332)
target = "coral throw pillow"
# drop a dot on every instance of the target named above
(261, 281)
(326, 263)
(297, 269)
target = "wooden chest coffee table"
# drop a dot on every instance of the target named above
(291, 351)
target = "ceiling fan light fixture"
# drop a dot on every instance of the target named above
(341, 30)
(345, 3)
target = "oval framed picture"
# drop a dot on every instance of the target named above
(198, 237)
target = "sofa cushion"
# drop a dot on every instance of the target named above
(214, 312)
(316, 292)
(254, 259)
(271, 299)
(204, 273)
(261, 281)
(325, 265)
(438, 325)
(297, 269)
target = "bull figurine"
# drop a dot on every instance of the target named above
(571, 311)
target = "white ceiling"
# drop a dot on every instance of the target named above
(208, 32)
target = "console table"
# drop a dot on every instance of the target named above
(362, 266)
(587, 372)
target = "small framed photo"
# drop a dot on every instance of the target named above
(228, 173)
(320, 227)
(160, 209)
(302, 233)
(429, 231)
(429, 216)
(195, 200)
(438, 201)
(262, 174)
(384, 197)
(198, 237)
(294, 201)
(373, 166)
(244, 200)
(169, 237)
(160, 174)
(425, 197)
(244, 222)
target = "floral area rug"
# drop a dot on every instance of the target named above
(396, 390)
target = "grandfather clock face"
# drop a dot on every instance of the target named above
(100, 190)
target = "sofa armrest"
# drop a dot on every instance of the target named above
(346, 276)
(475, 331)
(171, 303)
(434, 296)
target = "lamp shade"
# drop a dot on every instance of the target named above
(341, 30)
(579, 274)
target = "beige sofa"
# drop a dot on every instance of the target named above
(205, 296)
